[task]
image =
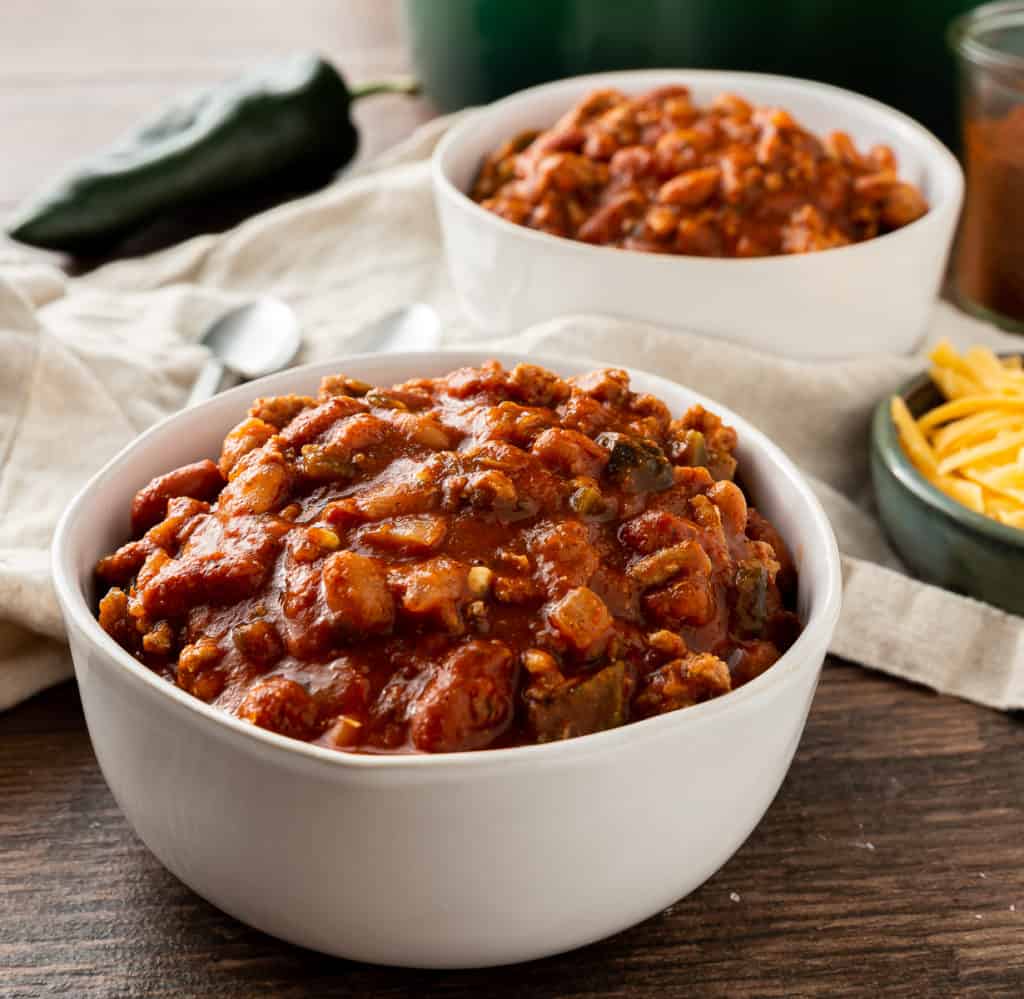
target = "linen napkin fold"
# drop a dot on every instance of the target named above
(88, 363)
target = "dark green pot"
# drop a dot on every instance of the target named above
(474, 51)
(941, 541)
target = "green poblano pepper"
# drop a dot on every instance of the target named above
(579, 705)
(638, 465)
(751, 597)
(286, 118)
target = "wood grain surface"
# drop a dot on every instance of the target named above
(891, 863)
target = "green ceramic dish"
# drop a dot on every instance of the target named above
(941, 541)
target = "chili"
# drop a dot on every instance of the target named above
(492, 558)
(659, 174)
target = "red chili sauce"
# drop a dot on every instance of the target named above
(493, 558)
(659, 174)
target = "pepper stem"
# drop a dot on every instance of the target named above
(398, 85)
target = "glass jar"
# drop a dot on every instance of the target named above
(988, 271)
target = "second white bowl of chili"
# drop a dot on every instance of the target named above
(442, 859)
(862, 298)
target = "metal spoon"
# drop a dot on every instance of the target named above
(247, 342)
(414, 327)
(262, 337)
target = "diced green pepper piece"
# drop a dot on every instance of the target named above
(751, 596)
(636, 464)
(586, 501)
(579, 706)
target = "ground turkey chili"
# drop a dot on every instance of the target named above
(487, 559)
(656, 173)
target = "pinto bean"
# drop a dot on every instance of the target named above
(314, 421)
(397, 498)
(219, 562)
(606, 223)
(435, 590)
(570, 452)
(876, 186)
(692, 188)
(250, 434)
(510, 422)
(342, 446)
(468, 700)
(655, 529)
(733, 105)
(729, 498)
(182, 512)
(261, 481)
(356, 590)
(124, 563)
(653, 570)
(903, 204)
(689, 600)
(422, 428)
(840, 146)
(407, 535)
(201, 480)
(582, 619)
(662, 220)
(564, 554)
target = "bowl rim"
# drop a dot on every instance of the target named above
(940, 162)
(962, 35)
(801, 655)
(886, 444)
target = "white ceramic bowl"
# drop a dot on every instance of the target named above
(455, 860)
(861, 299)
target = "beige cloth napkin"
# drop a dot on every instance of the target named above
(88, 363)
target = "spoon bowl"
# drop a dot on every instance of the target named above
(250, 341)
(415, 327)
(256, 339)
(262, 337)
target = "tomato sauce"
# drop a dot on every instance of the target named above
(492, 558)
(658, 174)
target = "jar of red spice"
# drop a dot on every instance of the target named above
(989, 262)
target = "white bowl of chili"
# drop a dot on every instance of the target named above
(867, 297)
(437, 860)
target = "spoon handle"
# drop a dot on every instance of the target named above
(208, 383)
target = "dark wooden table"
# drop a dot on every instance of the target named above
(891, 864)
